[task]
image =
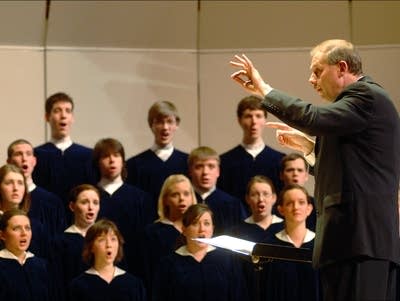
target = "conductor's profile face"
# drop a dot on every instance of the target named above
(326, 79)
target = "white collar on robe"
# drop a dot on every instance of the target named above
(275, 219)
(74, 229)
(185, 252)
(117, 272)
(282, 235)
(165, 221)
(4, 253)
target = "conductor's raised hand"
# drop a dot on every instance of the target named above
(292, 138)
(248, 76)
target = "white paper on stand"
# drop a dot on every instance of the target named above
(231, 243)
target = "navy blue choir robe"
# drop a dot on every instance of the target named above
(59, 171)
(216, 278)
(48, 208)
(66, 260)
(256, 276)
(159, 240)
(128, 208)
(148, 172)
(89, 286)
(290, 280)
(40, 240)
(227, 210)
(27, 282)
(238, 167)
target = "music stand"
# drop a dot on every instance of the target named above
(259, 253)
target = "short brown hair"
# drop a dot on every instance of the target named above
(10, 149)
(102, 226)
(57, 97)
(292, 157)
(252, 103)
(202, 153)
(162, 109)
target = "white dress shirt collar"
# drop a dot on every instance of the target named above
(163, 152)
(111, 186)
(63, 143)
(31, 186)
(255, 149)
(205, 195)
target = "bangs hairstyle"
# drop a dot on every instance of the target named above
(190, 217)
(10, 149)
(340, 50)
(291, 187)
(74, 193)
(26, 199)
(102, 226)
(202, 153)
(57, 97)
(162, 210)
(105, 147)
(259, 179)
(162, 109)
(252, 103)
(8, 215)
(194, 212)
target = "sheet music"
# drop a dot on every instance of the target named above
(231, 243)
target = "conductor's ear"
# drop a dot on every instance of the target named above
(343, 67)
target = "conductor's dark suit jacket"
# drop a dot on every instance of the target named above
(356, 170)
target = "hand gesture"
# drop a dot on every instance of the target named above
(292, 138)
(248, 76)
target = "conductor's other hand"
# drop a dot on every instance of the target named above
(248, 76)
(292, 138)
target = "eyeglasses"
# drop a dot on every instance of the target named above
(162, 122)
(265, 195)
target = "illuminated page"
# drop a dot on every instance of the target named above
(230, 243)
